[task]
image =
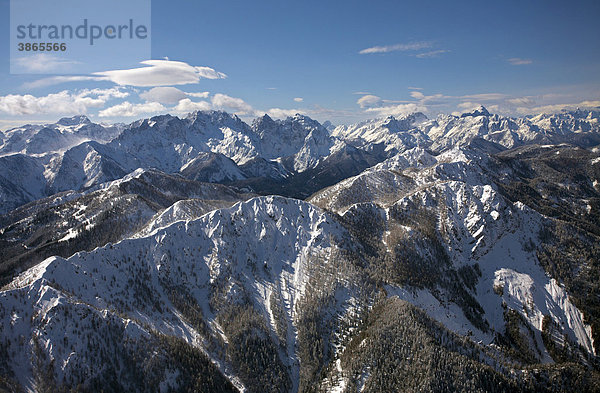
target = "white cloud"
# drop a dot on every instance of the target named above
(397, 47)
(8, 124)
(202, 94)
(186, 105)
(434, 53)
(553, 108)
(434, 99)
(432, 103)
(298, 99)
(397, 110)
(63, 102)
(468, 105)
(207, 72)
(106, 94)
(217, 102)
(279, 113)
(161, 73)
(320, 113)
(56, 80)
(127, 109)
(417, 94)
(223, 101)
(369, 101)
(519, 61)
(155, 73)
(381, 107)
(414, 88)
(164, 95)
(521, 101)
(43, 63)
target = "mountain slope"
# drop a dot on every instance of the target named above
(72, 222)
(228, 270)
(21, 180)
(475, 223)
(280, 280)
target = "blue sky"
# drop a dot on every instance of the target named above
(338, 61)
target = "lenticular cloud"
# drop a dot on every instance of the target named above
(161, 73)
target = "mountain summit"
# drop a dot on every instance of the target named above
(479, 111)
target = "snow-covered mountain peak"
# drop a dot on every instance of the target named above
(45, 139)
(587, 114)
(417, 157)
(396, 125)
(299, 138)
(479, 111)
(263, 122)
(393, 134)
(200, 120)
(74, 120)
(401, 123)
(302, 123)
(388, 124)
(329, 125)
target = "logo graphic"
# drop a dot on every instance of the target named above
(78, 36)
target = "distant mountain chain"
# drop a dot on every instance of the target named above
(205, 254)
(75, 154)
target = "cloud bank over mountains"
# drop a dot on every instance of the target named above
(167, 86)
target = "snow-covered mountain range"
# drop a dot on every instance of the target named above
(74, 154)
(401, 254)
